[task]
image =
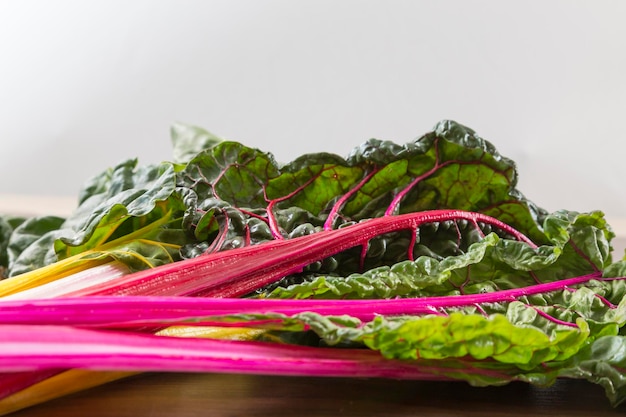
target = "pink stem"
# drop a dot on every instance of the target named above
(139, 311)
(65, 347)
(240, 271)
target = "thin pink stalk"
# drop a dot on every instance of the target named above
(139, 311)
(52, 347)
(240, 271)
(554, 319)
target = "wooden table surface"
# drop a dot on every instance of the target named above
(182, 395)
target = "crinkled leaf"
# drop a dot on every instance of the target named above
(231, 172)
(616, 269)
(450, 167)
(602, 362)
(130, 192)
(458, 335)
(30, 245)
(6, 229)
(115, 204)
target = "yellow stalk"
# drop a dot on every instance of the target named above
(210, 332)
(49, 273)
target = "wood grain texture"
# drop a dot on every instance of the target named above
(186, 395)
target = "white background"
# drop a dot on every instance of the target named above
(84, 85)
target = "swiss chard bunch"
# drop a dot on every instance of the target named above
(420, 260)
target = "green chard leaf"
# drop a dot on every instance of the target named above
(601, 362)
(450, 167)
(7, 227)
(30, 243)
(116, 206)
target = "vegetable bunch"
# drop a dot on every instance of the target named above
(417, 261)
